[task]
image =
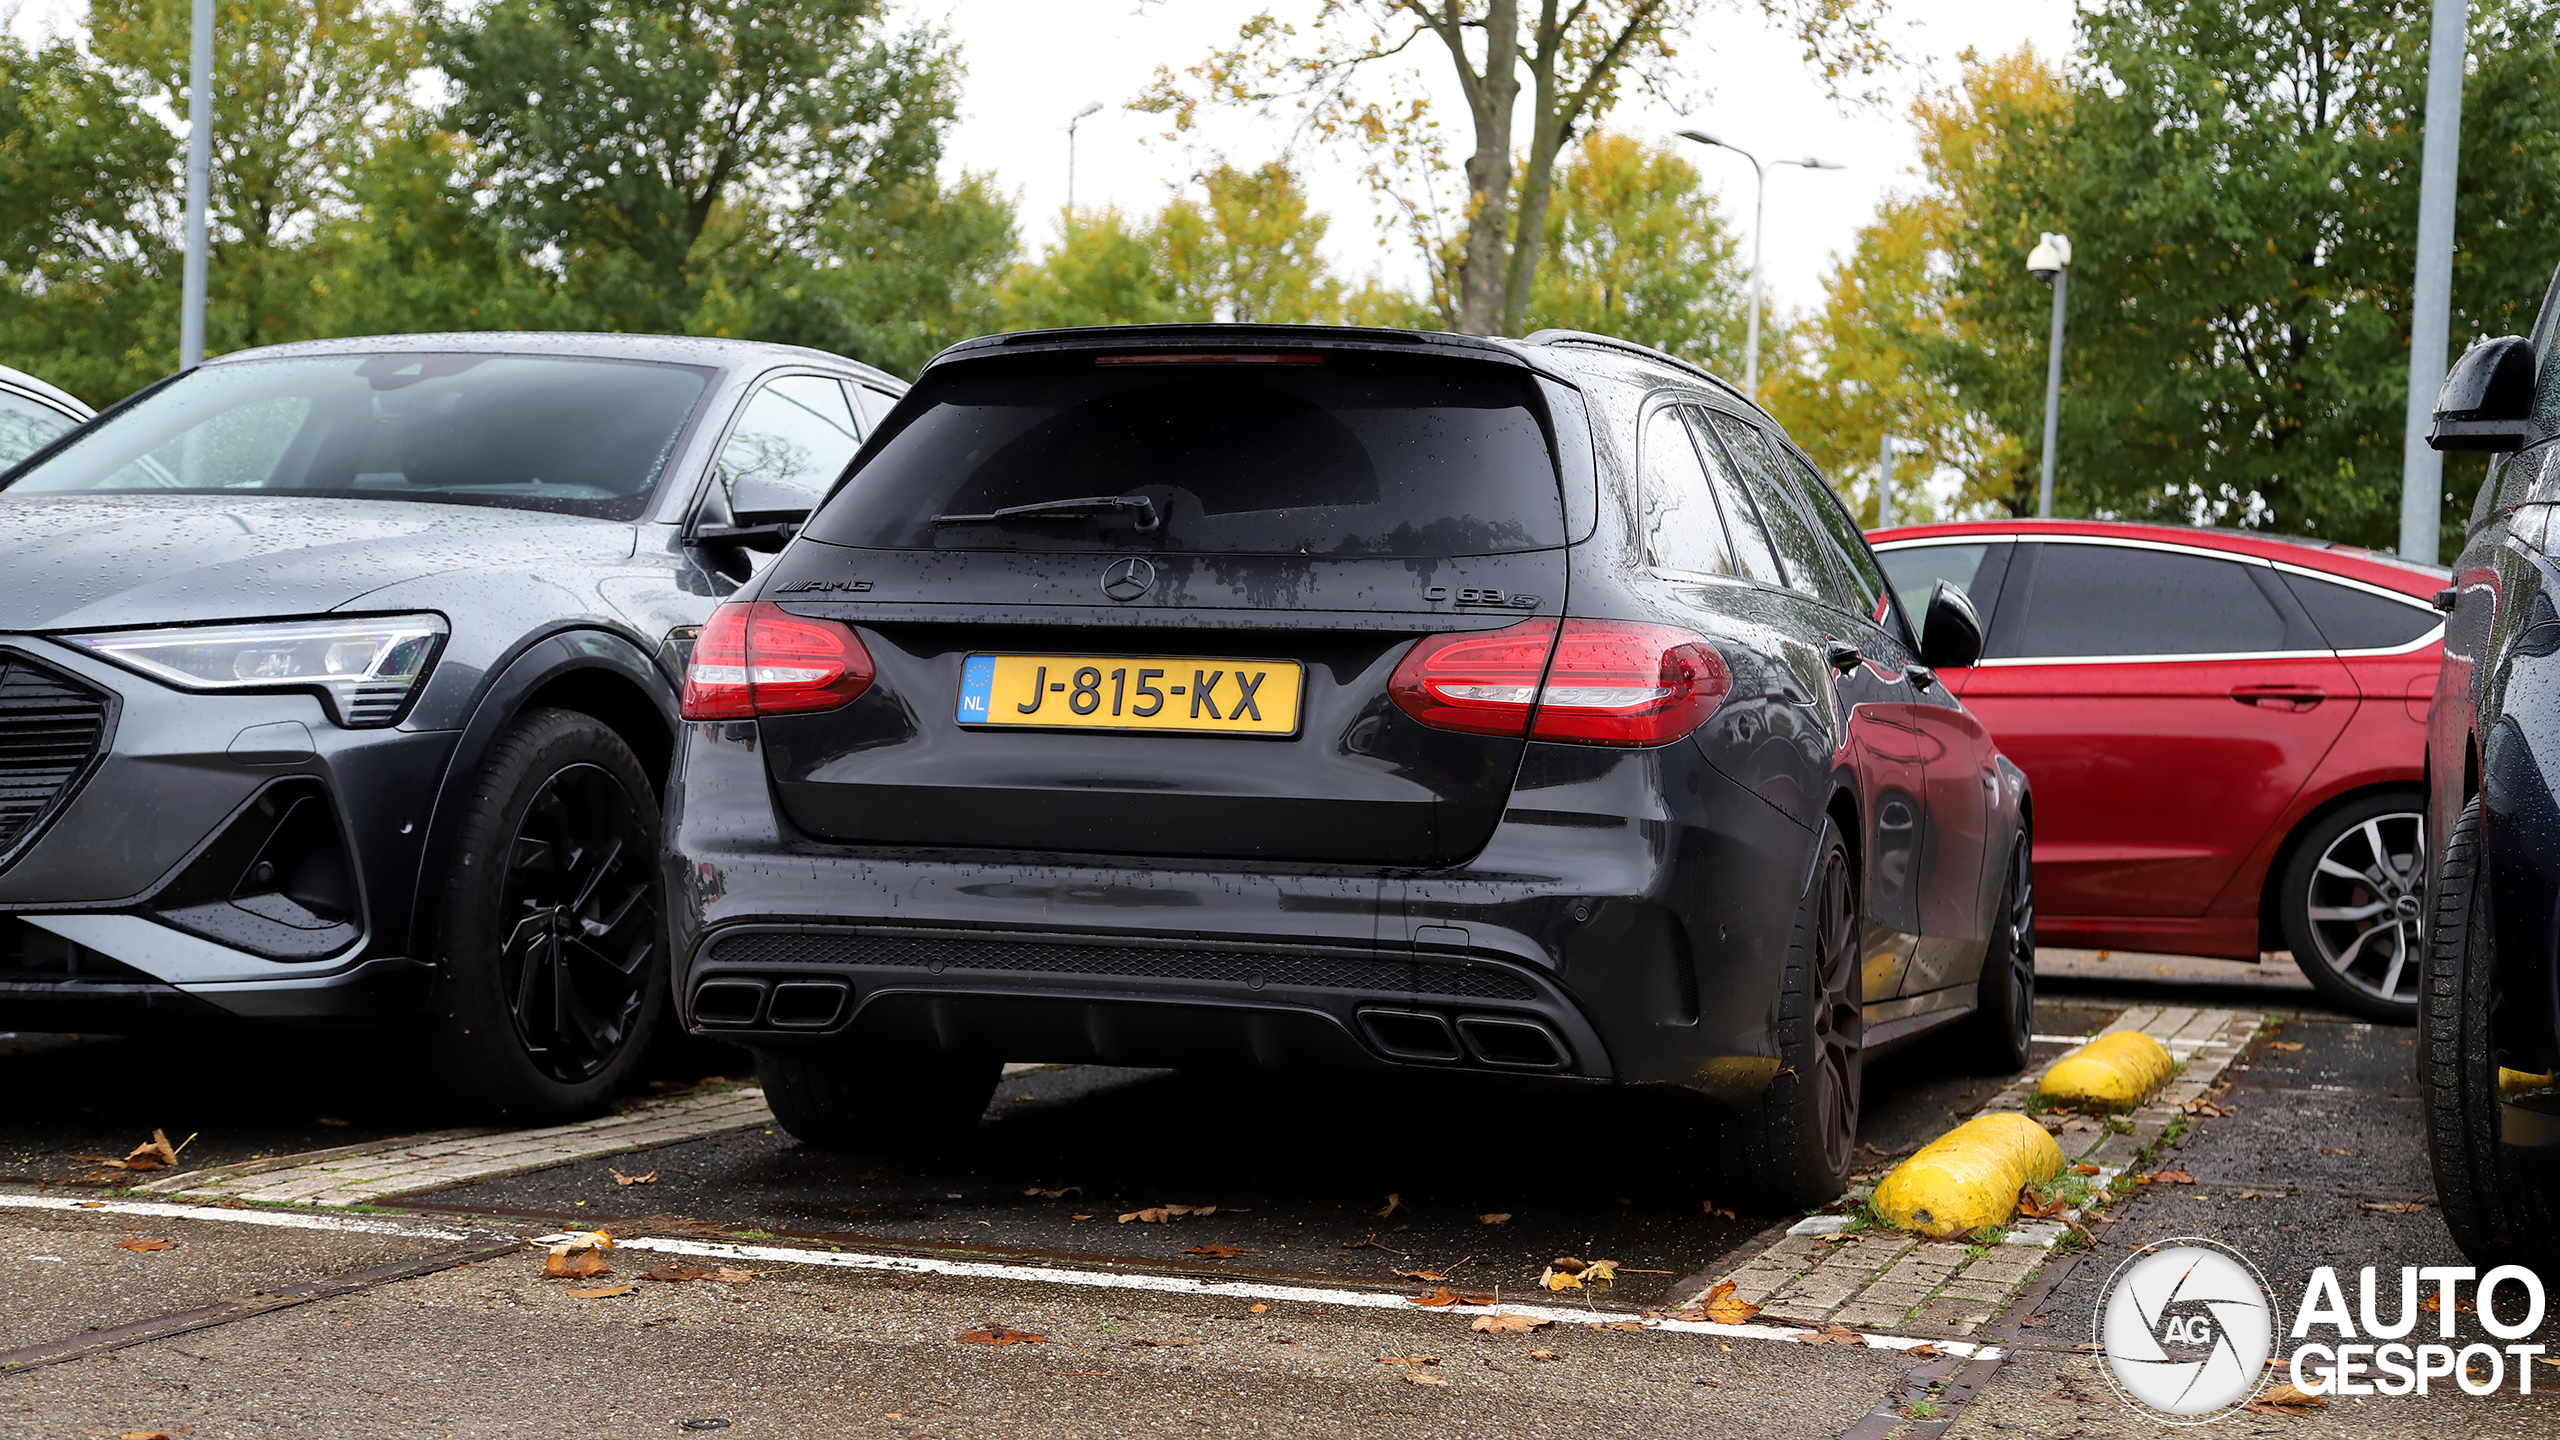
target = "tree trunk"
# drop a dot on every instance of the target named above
(1491, 98)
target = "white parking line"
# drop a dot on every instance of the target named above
(1238, 1290)
(277, 1219)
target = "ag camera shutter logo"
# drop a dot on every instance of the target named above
(2185, 1328)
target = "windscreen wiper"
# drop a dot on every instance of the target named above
(1142, 508)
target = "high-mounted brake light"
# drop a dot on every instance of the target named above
(757, 659)
(1609, 682)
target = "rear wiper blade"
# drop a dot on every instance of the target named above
(1089, 507)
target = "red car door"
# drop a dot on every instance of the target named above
(2165, 703)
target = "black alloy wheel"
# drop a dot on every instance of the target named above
(2354, 906)
(1792, 1147)
(1999, 1039)
(2500, 1200)
(583, 895)
(552, 966)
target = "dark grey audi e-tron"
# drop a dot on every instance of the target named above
(338, 682)
(1342, 700)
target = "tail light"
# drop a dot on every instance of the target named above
(757, 659)
(1606, 682)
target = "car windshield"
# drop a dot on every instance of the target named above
(577, 436)
(1333, 454)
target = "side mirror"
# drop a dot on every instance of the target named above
(754, 513)
(1951, 633)
(2487, 399)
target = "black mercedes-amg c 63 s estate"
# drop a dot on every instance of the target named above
(337, 681)
(1312, 699)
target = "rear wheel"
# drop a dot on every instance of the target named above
(2500, 1202)
(2354, 905)
(1793, 1148)
(550, 928)
(838, 1101)
(2000, 1037)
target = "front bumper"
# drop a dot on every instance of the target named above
(126, 896)
(1620, 926)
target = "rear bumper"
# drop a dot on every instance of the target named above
(1626, 922)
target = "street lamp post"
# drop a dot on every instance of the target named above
(2431, 297)
(2050, 262)
(1073, 121)
(1759, 194)
(199, 186)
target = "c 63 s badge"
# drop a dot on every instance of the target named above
(1478, 595)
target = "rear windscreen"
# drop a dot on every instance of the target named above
(1336, 454)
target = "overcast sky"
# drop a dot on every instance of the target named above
(1033, 63)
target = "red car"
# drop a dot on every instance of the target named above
(2224, 734)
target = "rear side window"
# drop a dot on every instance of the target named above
(2352, 619)
(2095, 600)
(1789, 530)
(1849, 557)
(1682, 529)
(1751, 547)
(1332, 454)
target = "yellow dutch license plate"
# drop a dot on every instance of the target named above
(1121, 692)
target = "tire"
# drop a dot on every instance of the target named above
(2500, 1202)
(550, 934)
(831, 1100)
(2353, 905)
(1793, 1149)
(1999, 1039)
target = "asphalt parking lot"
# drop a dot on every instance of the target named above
(1339, 1207)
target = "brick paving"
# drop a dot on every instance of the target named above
(1822, 1272)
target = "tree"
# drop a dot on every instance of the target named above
(1638, 250)
(1101, 271)
(1249, 253)
(613, 132)
(1573, 64)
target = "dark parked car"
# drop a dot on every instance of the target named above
(1334, 700)
(338, 680)
(2489, 1047)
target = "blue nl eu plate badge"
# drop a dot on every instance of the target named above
(977, 686)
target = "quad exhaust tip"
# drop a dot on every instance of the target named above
(783, 1005)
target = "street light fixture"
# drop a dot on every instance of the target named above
(2050, 262)
(1759, 191)
(1073, 121)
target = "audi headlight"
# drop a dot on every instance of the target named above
(366, 667)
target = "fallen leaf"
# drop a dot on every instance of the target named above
(726, 1275)
(150, 1434)
(1635, 1325)
(88, 1204)
(1716, 1210)
(1435, 1277)
(1258, 1309)
(1393, 1201)
(2036, 1208)
(1445, 1296)
(2284, 1045)
(1217, 1252)
(1370, 1244)
(1061, 1193)
(2283, 1399)
(1833, 1335)
(1079, 1217)
(607, 1293)
(1924, 1352)
(1416, 1377)
(678, 1274)
(2434, 1305)
(2084, 1169)
(1723, 1308)
(332, 1121)
(1493, 1218)
(1503, 1323)
(1542, 1354)
(140, 1244)
(2172, 1177)
(1408, 1360)
(1161, 1344)
(1159, 1214)
(999, 1335)
(2393, 1207)
(151, 1154)
(621, 1179)
(580, 1257)
(2333, 1150)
